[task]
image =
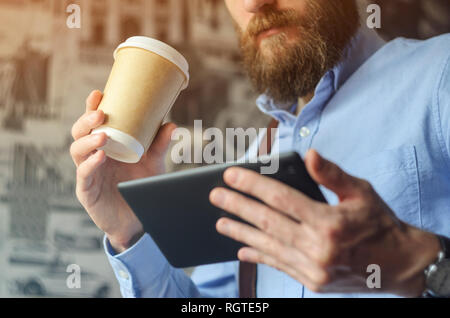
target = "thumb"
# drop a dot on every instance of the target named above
(162, 140)
(332, 177)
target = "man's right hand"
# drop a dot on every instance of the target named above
(98, 176)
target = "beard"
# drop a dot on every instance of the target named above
(285, 68)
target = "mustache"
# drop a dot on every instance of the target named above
(271, 18)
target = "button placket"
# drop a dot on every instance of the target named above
(305, 132)
(124, 274)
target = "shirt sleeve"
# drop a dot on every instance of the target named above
(143, 271)
(217, 280)
(443, 101)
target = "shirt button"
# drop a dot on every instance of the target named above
(124, 275)
(305, 132)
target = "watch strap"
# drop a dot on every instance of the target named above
(445, 244)
(443, 254)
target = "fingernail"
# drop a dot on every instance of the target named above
(100, 139)
(93, 117)
(231, 176)
(320, 162)
(104, 159)
(223, 226)
(218, 197)
(243, 254)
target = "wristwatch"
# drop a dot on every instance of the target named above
(437, 275)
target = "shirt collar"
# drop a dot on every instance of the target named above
(363, 45)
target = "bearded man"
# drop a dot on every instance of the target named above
(380, 111)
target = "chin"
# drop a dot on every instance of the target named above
(274, 47)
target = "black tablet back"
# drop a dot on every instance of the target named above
(175, 209)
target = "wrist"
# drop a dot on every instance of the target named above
(422, 249)
(122, 243)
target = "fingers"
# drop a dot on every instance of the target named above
(302, 236)
(274, 193)
(332, 177)
(278, 252)
(91, 119)
(260, 215)
(93, 100)
(311, 281)
(87, 123)
(86, 170)
(162, 140)
(250, 236)
(83, 147)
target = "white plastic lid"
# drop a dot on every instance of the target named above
(120, 146)
(160, 48)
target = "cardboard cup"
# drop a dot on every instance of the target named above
(145, 81)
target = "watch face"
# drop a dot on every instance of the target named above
(438, 282)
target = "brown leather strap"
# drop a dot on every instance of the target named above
(247, 271)
(247, 280)
(265, 147)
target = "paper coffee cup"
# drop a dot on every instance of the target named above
(145, 81)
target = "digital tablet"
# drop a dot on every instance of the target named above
(175, 209)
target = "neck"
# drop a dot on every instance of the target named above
(303, 101)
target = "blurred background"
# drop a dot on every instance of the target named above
(46, 72)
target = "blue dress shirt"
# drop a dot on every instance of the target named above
(383, 114)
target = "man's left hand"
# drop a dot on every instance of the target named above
(326, 248)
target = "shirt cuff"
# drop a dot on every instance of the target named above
(139, 267)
